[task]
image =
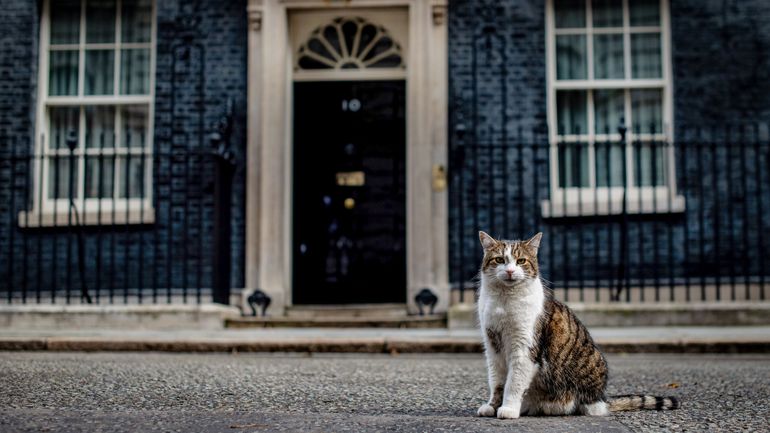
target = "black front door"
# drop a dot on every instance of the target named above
(349, 241)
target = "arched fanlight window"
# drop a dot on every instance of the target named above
(349, 43)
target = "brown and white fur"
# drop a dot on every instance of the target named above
(540, 359)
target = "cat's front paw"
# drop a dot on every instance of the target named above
(504, 412)
(486, 410)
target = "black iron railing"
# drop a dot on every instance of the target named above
(626, 218)
(658, 220)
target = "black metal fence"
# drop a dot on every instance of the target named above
(636, 218)
(82, 226)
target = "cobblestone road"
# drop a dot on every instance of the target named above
(129, 392)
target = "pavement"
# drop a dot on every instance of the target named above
(169, 392)
(732, 339)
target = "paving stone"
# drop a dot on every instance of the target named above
(183, 392)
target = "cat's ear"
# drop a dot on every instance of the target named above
(487, 241)
(534, 241)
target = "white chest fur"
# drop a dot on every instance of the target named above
(512, 313)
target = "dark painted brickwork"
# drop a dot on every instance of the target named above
(18, 67)
(18, 78)
(721, 62)
(500, 163)
(497, 67)
(201, 62)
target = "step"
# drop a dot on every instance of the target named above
(373, 321)
(347, 311)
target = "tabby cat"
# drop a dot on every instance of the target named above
(540, 358)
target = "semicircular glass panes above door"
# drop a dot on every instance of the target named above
(355, 45)
(349, 43)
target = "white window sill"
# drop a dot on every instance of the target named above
(61, 218)
(561, 209)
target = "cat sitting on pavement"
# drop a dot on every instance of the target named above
(540, 359)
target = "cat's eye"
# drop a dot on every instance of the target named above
(521, 261)
(499, 260)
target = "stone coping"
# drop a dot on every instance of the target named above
(118, 317)
(463, 316)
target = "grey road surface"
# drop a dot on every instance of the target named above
(134, 392)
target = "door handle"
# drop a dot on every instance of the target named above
(439, 178)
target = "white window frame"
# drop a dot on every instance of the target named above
(106, 210)
(605, 200)
(302, 24)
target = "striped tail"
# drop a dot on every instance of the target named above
(620, 403)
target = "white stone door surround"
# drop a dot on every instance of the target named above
(269, 144)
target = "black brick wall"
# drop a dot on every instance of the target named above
(721, 62)
(18, 78)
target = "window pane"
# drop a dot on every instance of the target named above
(645, 55)
(571, 57)
(60, 179)
(100, 21)
(131, 184)
(608, 56)
(644, 12)
(570, 13)
(100, 127)
(649, 164)
(609, 163)
(99, 77)
(137, 20)
(99, 176)
(573, 165)
(134, 126)
(64, 123)
(63, 73)
(572, 112)
(65, 22)
(609, 106)
(607, 13)
(647, 110)
(135, 72)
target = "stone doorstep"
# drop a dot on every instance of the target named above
(463, 315)
(343, 321)
(346, 310)
(151, 317)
